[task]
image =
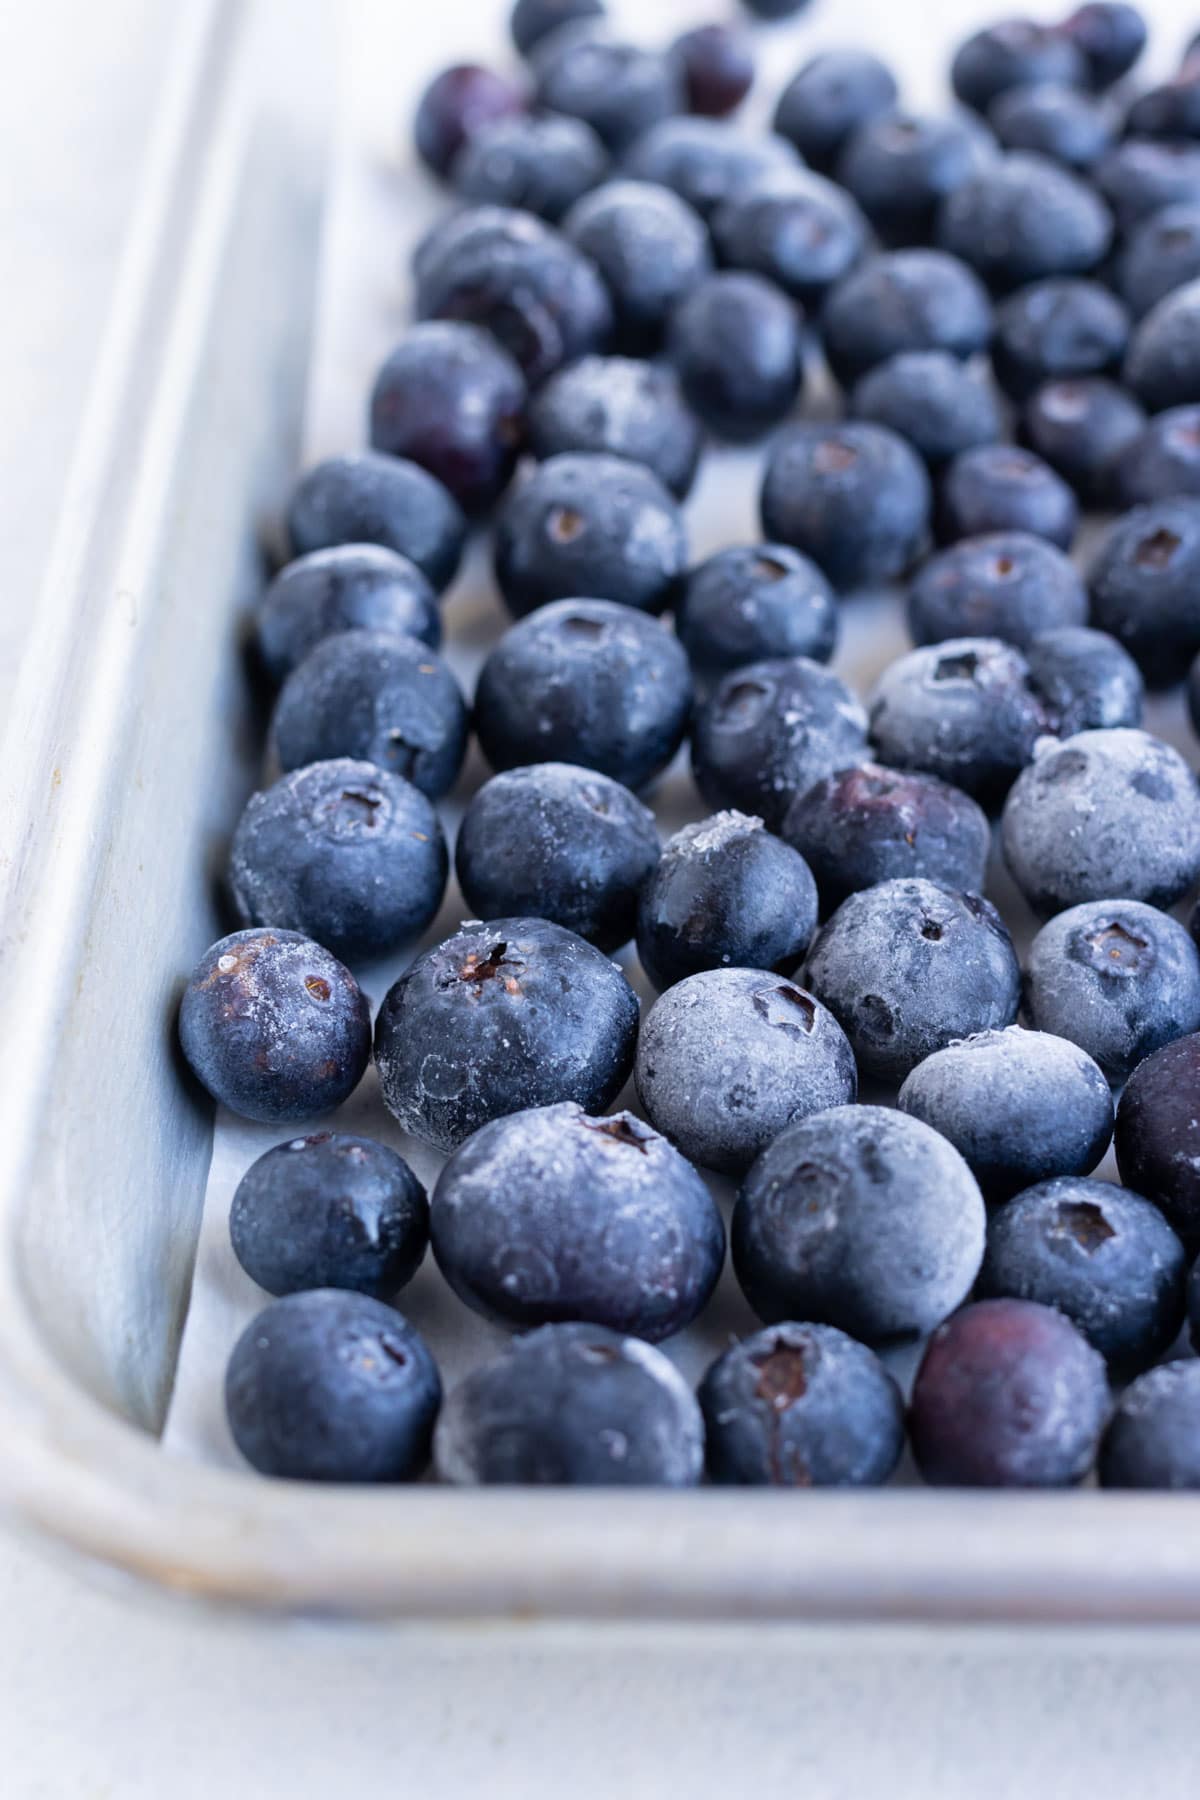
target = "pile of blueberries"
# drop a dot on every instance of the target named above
(1009, 298)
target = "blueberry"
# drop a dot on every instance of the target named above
(1118, 978)
(753, 602)
(1023, 217)
(717, 66)
(1158, 1135)
(1153, 1438)
(1101, 1255)
(801, 1406)
(345, 853)
(592, 525)
(1062, 123)
(1085, 680)
(1145, 587)
(854, 497)
(833, 95)
(706, 160)
(771, 729)
(555, 841)
(650, 247)
(908, 966)
(550, 1215)
(1000, 488)
(900, 167)
(1055, 329)
(615, 406)
(1103, 815)
(1161, 253)
(1193, 695)
(378, 698)
(498, 1018)
(963, 710)
(1163, 461)
(450, 399)
(1163, 364)
(1003, 584)
(1014, 53)
(725, 893)
(374, 499)
(905, 300)
(735, 342)
(1019, 1106)
(1111, 36)
(585, 681)
(864, 825)
(274, 1026)
(533, 20)
(862, 1218)
(541, 165)
(572, 1406)
(1008, 1394)
(939, 404)
(619, 89)
(727, 1058)
(332, 1386)
(330, 1211)
(1141, 175)
(351, 587)
(775, 9)
(455, 105)
(1169, 110)
(1083, 428)
(795, 228)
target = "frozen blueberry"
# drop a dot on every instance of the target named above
(735, 342)
(753, 602)
(274, 1026)
(1023, 217)
(344, 852)
(795, 228)
(1060, 122)
(1101, 1255)
(455, 105)
(801, 1406)
(332, 1386)
(351, 587)
(1020, 1106)
(1085, 680)
(1103, 815)
(905, 300)
(1153, 1438)
(615, 406)
(1004, 584)
(1056, 329)
(1111, 36)
(572, 1406)
(963, 710)
(862, 1218)
(1145, 587)
(1083, 428)
(533, 20)
(550, 1215)
(619, 89)
(591, 525)
(908, 966)
(717, 66)
(1118, 978)
(541, 165)
(939, 404)
(377, 698)
(1014, 53)
(833, 95)
(498, 1018)
(585, 681)
(330, 1211)
(706, 160)
(864, 825)
(1158, 1134)
(725, 894)
(1161, 253)
(555, 841)
(1169, 110)
(1163, 364)
(901, 166)
(1008, 1394)
(1000, 488)
(650, 247)
(854, 497)
(375, 499)
(771, 729)
(1163, 461)
(727, 1058)
(1141, 175)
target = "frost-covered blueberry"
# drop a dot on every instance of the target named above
(1014, 53)
(1158, 1137)
(1068, 126)
(1162, 460)
(963, 710)
(1110, 34)
(1145, 587)
(706, 160)
(939, 403)
(855, 497)
(1000, 487)
(753, 602)
(832, 95)
(735, 342)
(541, 165)
(619, 89)
(793, 227)
(1163, 364)
(1083, 428)
(1153, 1438)
(351, 587)
(905, 300)
(456, 104)
(1085, 680)
(532, 20)
(375, 499)
(1140, 176)
(1023, 217)
(1001, 584)
(650, 246)
(1057, 329)
(901, 166)
(616, 406)
(1160, 254)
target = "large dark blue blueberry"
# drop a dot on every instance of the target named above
(533, 20)
(1083, 428)
(1020, 1106)
(1015, 53)
(1055, 329)
(855, 497)
(498, 1018)
(1001, 488)
(616, 406)
(550, 1215)
(1023, 217)
(554, 841)
(752, 602)
(1085, 680)
(833, 95)
(456, 104)
(727, 1058)
(651, 248)
(1170, 110)
(706, 160)
(1158, 1136)
(274, 1026)
(775, 9)
(1008, 1394)
(352, 587)
(1160, 254)
(735, 342)
(717, 66)
(795, 228)
(1101, 1255)
(941, 405)
(1163, 461)
(801, 1406)
(378, 698)
(541, 165)
(330, 1211)
(332, 1386)
(1111, 36)
(585, 681)
(725, 894)
(1141, 804)
(592, 525)
(373, 499)
(771, 729)
(900, 167)
(1004, 584)
(344, 852)
(908, 966)
(1153, 1438)
(862, 1218)
(1145, 587)
(963, 710)
(905, 300)
(1163, 364)
(449, 398)
(1141, 175)
(572, 1406)
(1118, 978)
(864, 825)
(1062, 123)
(619, 89)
